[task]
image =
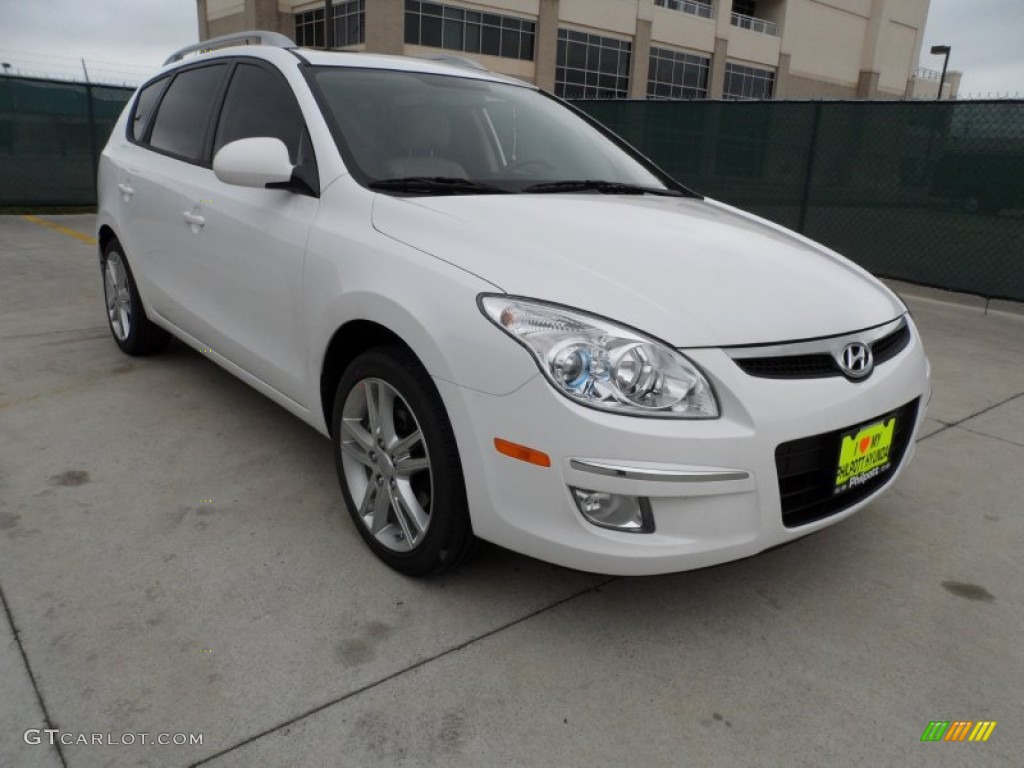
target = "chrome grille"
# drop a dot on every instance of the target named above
(816, 359)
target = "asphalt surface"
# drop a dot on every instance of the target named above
(174, 559)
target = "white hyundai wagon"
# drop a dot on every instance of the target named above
(512, 326)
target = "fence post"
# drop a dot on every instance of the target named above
(93, 151)
(809, 173)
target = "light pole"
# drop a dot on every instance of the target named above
(940, 50)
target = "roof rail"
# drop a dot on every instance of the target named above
(455, 61)
(253, 37)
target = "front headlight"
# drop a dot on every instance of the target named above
(598, 363)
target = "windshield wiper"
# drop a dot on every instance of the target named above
(604, 187)
(436, 185)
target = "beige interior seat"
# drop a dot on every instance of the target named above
(424, 137)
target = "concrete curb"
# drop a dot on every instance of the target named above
(1006, 308)
(1003, 307)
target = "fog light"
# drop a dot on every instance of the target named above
(631, 514)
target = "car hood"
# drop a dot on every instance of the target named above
(692, 272)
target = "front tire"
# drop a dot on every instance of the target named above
(398, 464)
(129, 326)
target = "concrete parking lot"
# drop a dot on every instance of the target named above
(174, 559)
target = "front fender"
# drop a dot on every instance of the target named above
(356, 273)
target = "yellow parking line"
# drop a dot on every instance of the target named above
(63, 230)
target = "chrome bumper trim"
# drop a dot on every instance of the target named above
(658, 475)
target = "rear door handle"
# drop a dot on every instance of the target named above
(126, 190)
(194, 219)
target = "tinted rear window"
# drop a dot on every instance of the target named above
(184, 114)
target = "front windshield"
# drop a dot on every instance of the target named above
(398, 125)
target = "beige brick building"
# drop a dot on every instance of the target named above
(733, 49)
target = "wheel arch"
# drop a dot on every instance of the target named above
(104, 236)
(348, 342)
(444, 333)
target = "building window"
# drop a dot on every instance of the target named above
(591, 67)
(458, 29)
(744, 16)
(694, 7)
(748, 82)
(309, 28)
(745, 7)
(675, 75)
(349, 25)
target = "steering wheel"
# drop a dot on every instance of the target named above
(516, 167)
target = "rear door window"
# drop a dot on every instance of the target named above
(184, 115)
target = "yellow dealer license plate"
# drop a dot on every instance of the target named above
(864, 454)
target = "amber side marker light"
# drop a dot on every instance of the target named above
(521, 452)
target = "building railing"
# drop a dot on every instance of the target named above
(763, 26)
(693, 7)
(923, 73)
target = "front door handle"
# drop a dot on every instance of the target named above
(194, 219)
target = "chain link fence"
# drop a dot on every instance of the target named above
(51, 134)
(929, 192)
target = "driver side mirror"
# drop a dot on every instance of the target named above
(257, 162)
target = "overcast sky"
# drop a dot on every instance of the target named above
(127, 38)
(985, 36)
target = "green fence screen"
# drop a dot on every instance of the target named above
(931, 192)
(51, 134)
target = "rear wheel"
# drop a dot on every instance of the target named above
(130, 327)
(398, 464)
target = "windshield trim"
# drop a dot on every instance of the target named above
(309, 72)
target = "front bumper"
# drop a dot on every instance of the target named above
(712, 484)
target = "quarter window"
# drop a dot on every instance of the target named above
(591, 66)
(144, 106)
(260, 103)
(184, 114)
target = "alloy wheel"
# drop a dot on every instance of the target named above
(118, 296)
(386, 464)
